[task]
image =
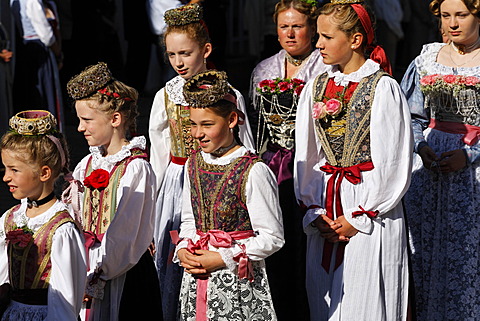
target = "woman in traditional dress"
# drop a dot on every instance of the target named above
(443, 89)
(275, 86)
(351, 172)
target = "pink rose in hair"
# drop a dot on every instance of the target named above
(333, 107)
(319, 110)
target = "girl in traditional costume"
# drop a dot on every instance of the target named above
(275, 87)
(231, 219)
(42, 256)
(351, 172)
(442, 86)
(187, 46)
(118, 200)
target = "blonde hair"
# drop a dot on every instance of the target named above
(118, 97)
(38, 151)
(347, 20)
(472, 5)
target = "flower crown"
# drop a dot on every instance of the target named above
(33, 122)
(206, 88)
(89, 81)
(346, 1)
(312, 3)
(183, 15)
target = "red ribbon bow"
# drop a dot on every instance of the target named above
(223, 239)
(354, 175)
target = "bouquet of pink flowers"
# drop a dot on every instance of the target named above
(280, 86)
(447, 83)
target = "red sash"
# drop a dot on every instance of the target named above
(354, 176)
(470, 133)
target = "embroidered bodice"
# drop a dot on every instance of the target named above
(30, 265)
(100, 204)
(218, 193)
(346, 137)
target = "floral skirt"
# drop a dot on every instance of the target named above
(24, 312)
(443, 217)
(229, 298)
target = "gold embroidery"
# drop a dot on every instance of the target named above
(346, 140)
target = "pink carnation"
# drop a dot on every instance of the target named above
(428, 80)
(319, 110)
(450, 79)
(333, 107)
(471, 81)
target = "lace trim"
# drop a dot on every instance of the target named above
(341, 79)
(174, 89)
(99, 161)
(227, 257)
(20, 218)
(427, 64)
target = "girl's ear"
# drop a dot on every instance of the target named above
(45, 173)
(117, 118)
(233, 120)
(357, 40)
(208, 50)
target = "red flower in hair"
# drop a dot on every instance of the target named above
(97, 179)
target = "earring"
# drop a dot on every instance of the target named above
(204, 61)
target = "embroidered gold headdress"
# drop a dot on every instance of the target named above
(206, 88)
(346, 1)
(89, 81)
(183, 15)
(33, 122)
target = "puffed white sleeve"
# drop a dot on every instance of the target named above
(159, 134)
(36, 12)
(245, 131)
(391, 145)
(309, 180)
(265, 214)
(3, 252)
(68, 275)
(188, 229)
(131, 230)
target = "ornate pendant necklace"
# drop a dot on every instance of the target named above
(222, 150)
(459, 50)
(40, 202)
(296, 61)
(463, 49)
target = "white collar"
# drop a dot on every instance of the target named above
(99, 161)
(341, 79)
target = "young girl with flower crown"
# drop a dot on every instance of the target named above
(187, 46)
(118, 205)
(351, 172)
(231, 219)
(42, 257)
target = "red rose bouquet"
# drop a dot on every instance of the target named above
(281, 85)
(97, 179)
(20, 236)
